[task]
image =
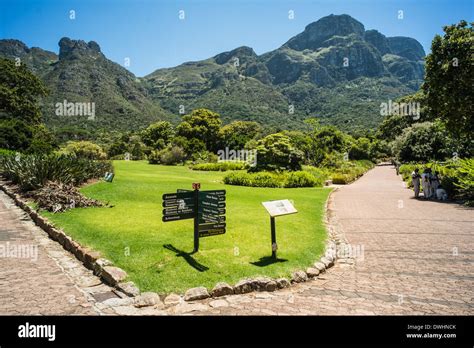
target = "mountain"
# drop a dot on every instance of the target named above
(335, 70)
(81, 73)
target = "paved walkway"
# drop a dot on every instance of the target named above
(418, 258)
(37, 276)
(410, 257)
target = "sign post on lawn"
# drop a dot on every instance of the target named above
(196, 187)
(207, 208)
(277, 208)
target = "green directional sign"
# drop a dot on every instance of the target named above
(207, 208)
(207, 204)
(179, 195)
(204, 218)
(211, 197)
(207, 230)
(176, 211)
(178, 202)
(213, 192)
(211, 233)
(176, 217)
(211, 210)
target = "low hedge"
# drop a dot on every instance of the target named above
(350, 171)
(220, 166)
(273, 179)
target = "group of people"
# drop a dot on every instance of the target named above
(429, 183)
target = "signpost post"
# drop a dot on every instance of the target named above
(196, 187)
(277, 208)
(207, 208)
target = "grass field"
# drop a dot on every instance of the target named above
(156, 255)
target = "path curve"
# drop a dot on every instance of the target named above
(418, 258)
(37, 276)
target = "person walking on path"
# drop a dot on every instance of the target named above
(425, 183)
(415, 180)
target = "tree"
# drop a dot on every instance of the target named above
(42, 141)
(300, 140)
(158, 134)
(423, 142)
(326, 140)
(449, 78)
(393, 125)
(203, 125)
(360, 149)
(236, 134)
(15, 135)
(19, 92)
(275, 152)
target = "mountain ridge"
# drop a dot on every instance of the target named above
(334, 69)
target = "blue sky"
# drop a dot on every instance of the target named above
(151, 34)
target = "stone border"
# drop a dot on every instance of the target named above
(116, 277)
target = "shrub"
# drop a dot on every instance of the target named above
(341, 179)
(205, 157)
(84, 149)
(169, 156)
(220, 166)
(266, 179)
(456, 177)
(238, 179)
(6, 153)
(302, 179)
(350, 171)
(465, 180)
(272, 179)
(275, 152)
(321, 174)
(33, 171)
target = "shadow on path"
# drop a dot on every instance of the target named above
(266, 261)
(187, 257)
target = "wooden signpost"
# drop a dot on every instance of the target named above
(207, 208)
(277, 208)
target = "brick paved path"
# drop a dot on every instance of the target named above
(43, 278)
(418, 259)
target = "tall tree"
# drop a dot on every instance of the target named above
(449, 79)
(236, 134)
(19, 93)
(20, 115)
(203, 125)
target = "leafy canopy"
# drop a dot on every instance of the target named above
(449, 78)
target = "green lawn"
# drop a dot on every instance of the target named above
(132, 235)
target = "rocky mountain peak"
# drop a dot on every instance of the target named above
(73, 49)
(13, 48)
(406, 47)
(239, 52)
(325, 28)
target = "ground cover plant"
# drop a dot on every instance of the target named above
(33, 171)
